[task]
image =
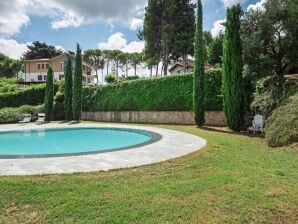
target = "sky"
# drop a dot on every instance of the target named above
(104, 24)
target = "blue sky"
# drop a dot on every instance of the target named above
(92, 23)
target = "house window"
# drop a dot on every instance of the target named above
(38, 66)
(42, 66)
(62, 65)
(88, 80)
(84, 79)
(61, 77)
(39, 77)
(47, 66)
(45, 77)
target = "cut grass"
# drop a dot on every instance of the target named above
(235, 179)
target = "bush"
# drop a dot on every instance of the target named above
(12, 115)
(110, 78)
(33, 95)
(264, 101)
(282, 126)
(172, 93)
(8, 85)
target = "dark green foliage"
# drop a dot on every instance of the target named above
(216, 50)
(213, 94)
(270, 41)
(198, 86)
(282, 126)
(233, 88)
(49, 95)
(12, 115)
(173, 93)
(77, 86)
(33, 95)
(38, 50)
(59, 113)
(9, 67)
(110, 78)
(68, 92)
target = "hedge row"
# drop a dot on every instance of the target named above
(12, 115)
(33, 95)
(173, 93)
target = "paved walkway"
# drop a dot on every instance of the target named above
(173, 144)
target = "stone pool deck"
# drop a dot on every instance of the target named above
(173, 144)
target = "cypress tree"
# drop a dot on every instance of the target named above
(68, 91)
(77, 86)
(49, 95)
(198, 91)
(233, 89)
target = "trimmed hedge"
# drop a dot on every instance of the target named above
(172, 93)
(282, 126)
(33, 95)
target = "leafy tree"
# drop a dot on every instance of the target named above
(77, 86)
(135, 59)
(216, 50)
(198, 91)
(270, 40)
(95, 58)
(49, 95)
(9, 67)
(38, 50)
(68, 91)
(151, 32)
(116, 56)
(182, 41)
(107, 57)
(233, 88)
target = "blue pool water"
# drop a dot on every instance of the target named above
(69, 141)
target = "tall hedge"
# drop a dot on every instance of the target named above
(233, 88)
(172, 93)
(77, 85)
(68, 91)
(198, 88)
(49, 95)
(33, 95)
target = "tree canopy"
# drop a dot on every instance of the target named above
(39, 50)
(9, 67)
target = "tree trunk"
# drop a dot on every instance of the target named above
(135, 69)
(157, 69)
(184, 63)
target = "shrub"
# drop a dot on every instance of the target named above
(282, 126)
(172, 93)
(33, 95)
(264, 101)
(11, 115)
(110, 78)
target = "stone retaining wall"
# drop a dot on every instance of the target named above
(213, 118)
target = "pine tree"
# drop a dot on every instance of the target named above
(49, 95)
(198, 92)
(77, 86)
(233, 89)
(68, 91)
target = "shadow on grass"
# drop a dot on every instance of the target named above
(227, 131)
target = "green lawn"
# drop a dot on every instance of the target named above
(236, 179)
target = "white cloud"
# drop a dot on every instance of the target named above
(229, 3)
(12, 49)
(118, 42)
(12, 17)
(258, 6)
(15, 14)
(217, 27)
(136, 24)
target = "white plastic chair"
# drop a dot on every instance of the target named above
(41, 118)
(26, 118)
(258, 123)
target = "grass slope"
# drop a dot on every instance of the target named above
(236, 179)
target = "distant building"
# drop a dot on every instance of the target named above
(177, 67)
(35, 71)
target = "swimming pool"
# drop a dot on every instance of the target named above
(71, 141)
